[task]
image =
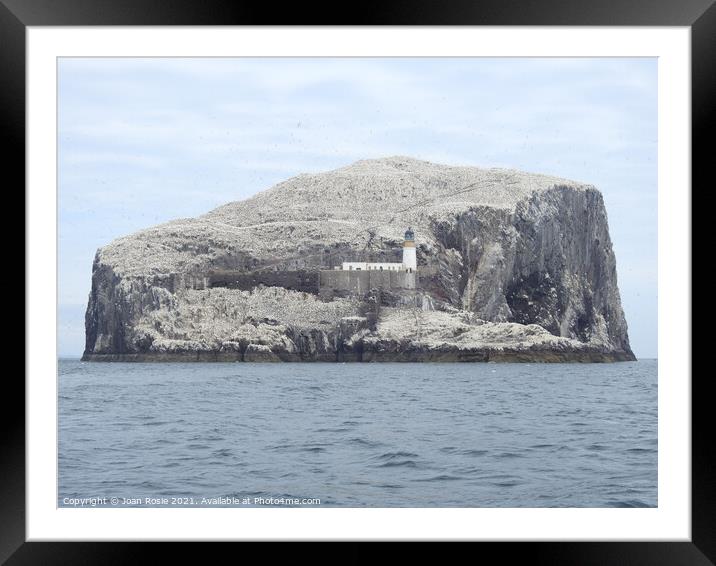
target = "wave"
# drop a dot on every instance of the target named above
(464, 451)
(441, 477)
(399, 463)
(392, 455)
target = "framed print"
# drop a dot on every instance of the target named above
(374, 282)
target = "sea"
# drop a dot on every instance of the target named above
(357, 435)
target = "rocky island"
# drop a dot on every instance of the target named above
(502, 266)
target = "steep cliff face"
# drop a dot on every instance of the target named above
(511, 249)
(547, 262)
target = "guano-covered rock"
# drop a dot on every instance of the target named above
(511, 267)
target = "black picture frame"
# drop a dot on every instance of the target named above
(699, 15)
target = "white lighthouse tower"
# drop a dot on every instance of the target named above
(410, 261)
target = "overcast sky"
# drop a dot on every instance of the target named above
(143, 141)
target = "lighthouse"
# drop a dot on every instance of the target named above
(410, 261)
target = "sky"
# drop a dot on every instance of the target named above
(144, 141)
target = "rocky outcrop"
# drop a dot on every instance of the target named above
(511, 266)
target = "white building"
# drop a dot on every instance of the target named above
(409, 263)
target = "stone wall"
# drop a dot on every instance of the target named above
(327, 283)
(358, 283)
(304, 280)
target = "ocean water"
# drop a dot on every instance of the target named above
(355, 435)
